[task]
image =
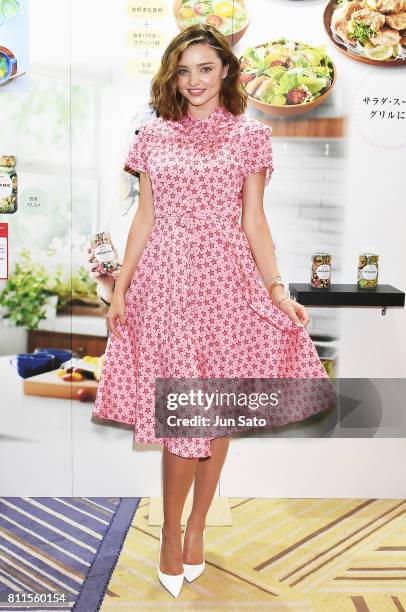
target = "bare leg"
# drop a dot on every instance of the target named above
(178, 474)
(207, 475)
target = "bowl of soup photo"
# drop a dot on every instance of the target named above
(8, 64)
(230, 17)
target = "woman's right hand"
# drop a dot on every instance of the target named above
(116, 311)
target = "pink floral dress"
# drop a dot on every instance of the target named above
(197, 305)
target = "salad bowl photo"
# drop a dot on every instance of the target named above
(286, 78)
(8, 65)
(368, 31)
(230, 17)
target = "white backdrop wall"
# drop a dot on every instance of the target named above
(369, 213)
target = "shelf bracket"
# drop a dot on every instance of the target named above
(383, 310)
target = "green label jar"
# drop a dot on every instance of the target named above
(8, 184)
(368, 270)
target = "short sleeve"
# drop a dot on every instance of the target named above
(258, 151)
(137, 159)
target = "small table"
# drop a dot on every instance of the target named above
(342, 294)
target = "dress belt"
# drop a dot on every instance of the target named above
(189, 218)
(245, 268)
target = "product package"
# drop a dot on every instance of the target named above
(8, 184)
(104, 252)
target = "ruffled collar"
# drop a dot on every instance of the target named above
(218, 118)
(218, 113)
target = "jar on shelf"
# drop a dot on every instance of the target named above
(321, 270)
(367, 276)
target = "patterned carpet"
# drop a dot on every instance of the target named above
(60, 550)
(302, 555)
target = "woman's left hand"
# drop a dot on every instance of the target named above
(296, 311)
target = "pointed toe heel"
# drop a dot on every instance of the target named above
(172, 583)
(193, 571)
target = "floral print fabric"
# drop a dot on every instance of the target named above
(197, 305)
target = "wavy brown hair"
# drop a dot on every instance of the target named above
(166, 99)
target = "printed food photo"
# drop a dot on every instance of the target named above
(230, 17)
(370, 31)
(8, 65)
(285, 77)
(8, 10)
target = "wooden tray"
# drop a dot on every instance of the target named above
(328, 12)
(50, 384)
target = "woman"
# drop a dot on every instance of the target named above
(198, 295)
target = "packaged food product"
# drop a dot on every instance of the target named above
(8, 184)
(321, 270)
(104, 252)
(368, 270)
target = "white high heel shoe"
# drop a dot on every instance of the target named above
(173, 583)
(193, 571)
